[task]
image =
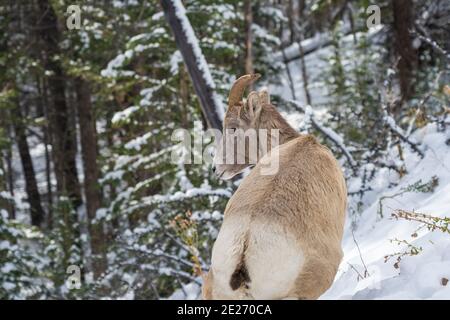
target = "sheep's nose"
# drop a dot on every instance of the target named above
(214, 168)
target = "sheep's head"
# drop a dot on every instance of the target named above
(239, 146)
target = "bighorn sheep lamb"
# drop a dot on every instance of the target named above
(281, 234)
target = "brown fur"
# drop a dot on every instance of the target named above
(307, 198)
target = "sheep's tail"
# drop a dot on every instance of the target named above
(240, 277)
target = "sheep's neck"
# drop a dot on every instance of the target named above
(271, 119)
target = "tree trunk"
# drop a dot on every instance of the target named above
(288, 70)
(64, 141)
(248, 38)
(5, 203)
(292, 20)
(304, 71)
(88, 137)
(37, 213)
(408, 58)
(301, 8)
(184, 98)
(203, 89)
(47, 140)
(9, 170)
(299, 36)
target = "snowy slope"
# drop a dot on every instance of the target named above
(421, 276)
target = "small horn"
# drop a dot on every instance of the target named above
(238, 88)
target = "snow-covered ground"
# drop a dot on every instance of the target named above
(421, 276)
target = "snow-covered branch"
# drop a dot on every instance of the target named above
(329, 133)
(161, 254)
(395, 129)
(320, 40)
(433, 44)
(177, 196)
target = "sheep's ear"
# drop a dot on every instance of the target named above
(264, 96)
(254, 105)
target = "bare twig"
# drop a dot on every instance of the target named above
(421, 105)
(185, 248)
(431, 222)
(357, 272)
(366, 272)
(161, 254)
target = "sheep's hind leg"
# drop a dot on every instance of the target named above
(314, 279)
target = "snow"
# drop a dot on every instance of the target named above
(391, 122)
(274, 12)
(191, 291)
(158, 16)
(17, 198)
(260, 32)
(317, 59)
(320, 40)
(8, 267)
(121, 4)
(226, 11)
(399, 131)
(328, 132)
(114, 64)
(178, 196)
(175, 60)
(100, 214)
(138, 142)
(418, 276)
(124, 115)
